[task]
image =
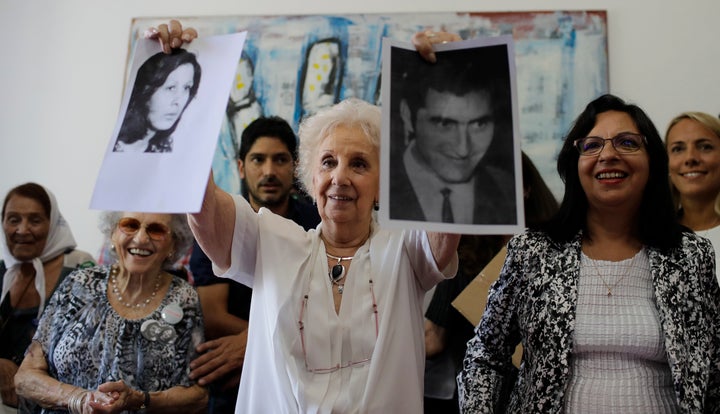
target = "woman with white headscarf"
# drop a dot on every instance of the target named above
(38, 251)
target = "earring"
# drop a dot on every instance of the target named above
(376, 206)
(112, 247)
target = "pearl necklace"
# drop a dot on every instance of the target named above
(337, 273)
(115, 269)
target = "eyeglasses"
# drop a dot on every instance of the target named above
(624, 143)
(339, 366)
(156, 231)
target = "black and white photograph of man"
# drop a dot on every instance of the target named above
(452, 150)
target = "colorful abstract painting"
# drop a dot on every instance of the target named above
(294, 65)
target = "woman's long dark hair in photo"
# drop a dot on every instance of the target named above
(150, 76)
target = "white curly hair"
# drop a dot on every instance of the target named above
(314, 129)
(179, 228)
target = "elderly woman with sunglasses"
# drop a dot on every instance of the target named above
(120, 338)
(615, 303)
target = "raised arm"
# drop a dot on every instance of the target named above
(213, 226)
(444, 247)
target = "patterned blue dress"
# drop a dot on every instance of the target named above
(87, 343)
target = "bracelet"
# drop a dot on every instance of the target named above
(146, 402)
(75, 401)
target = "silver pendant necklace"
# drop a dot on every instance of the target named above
(337, 272)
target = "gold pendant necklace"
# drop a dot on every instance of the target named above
(607, 286)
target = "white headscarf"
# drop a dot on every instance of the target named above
(59, 239)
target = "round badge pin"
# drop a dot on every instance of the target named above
(172, 313)
(167, 334)
(150, 329)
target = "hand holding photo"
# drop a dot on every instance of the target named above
(160, 154)
(450, 144)
(164, 86)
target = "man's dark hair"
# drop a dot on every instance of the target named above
(459, 72)
(657, 223)
(271, 126)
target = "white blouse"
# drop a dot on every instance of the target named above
(713, 234)
(381, 355)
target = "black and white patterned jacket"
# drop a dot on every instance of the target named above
(534, 301)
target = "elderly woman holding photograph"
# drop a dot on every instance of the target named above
(120, 338)
(38, 252)
(164, 86)
(615, 303)
(336, 322)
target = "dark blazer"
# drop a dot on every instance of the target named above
(535, 299)
(494, 196)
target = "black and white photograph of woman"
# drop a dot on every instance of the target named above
(164, 87)
(167, 126)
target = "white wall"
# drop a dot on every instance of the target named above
(62, 69)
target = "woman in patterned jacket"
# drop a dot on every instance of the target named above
(615, 303)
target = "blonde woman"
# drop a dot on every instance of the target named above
(693, 146)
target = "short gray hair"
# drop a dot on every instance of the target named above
(313, 130)
(179, 228)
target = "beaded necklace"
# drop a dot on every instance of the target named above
(114, 270)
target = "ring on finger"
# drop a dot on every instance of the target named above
(430, 34)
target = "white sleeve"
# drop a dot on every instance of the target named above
(276, 233)
(423, 261)
(243, 253)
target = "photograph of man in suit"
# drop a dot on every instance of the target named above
(452, 137)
